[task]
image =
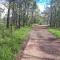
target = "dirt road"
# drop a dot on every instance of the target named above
(42, 45)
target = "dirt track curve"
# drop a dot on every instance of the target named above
(42, 45)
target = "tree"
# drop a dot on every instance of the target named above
(55, 10)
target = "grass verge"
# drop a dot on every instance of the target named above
(55, 32)
(11, 44)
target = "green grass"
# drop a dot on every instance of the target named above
(11, 43)
(55, 32)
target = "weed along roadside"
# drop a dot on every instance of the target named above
(55, 32)
(23, 36)
(10, 46)
(20, 53)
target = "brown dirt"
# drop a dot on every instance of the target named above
(42, 45)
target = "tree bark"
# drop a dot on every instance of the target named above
(8, 16)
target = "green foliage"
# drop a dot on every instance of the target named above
(21, 32)
(40, 20)
(55, 13)
(11, 42)
(56, 32)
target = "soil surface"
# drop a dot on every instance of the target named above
(42, 45)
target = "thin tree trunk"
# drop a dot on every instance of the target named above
(8, 16)
(19, 21)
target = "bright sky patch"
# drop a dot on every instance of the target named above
(42, 4)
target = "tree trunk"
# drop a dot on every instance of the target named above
(8, 16)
